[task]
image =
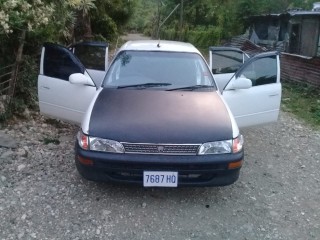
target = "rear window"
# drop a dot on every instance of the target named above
(226, 61)
(92, 57)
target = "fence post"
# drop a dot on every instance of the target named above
(16, 65)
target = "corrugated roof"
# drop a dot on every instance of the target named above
(242, 42)
(289, 13)
(299, 13)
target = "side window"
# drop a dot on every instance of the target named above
(92, 57)
(226, 61)
(60, 63)
(261, 71)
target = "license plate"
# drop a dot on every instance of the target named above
(160, 179)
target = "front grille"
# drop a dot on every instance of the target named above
(153, 166)
(167, 149)
(183, 178)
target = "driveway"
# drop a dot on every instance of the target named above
(134, 36)
(43, 197)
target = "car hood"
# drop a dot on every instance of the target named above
(153, 116)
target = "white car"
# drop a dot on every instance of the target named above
(161, 117)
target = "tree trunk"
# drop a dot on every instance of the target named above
(87, 28)
(15, 70)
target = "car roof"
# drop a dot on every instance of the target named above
(162, 45)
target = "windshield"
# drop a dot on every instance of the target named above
(161, 70)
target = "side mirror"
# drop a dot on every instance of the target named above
(79, 78)
(239, 83)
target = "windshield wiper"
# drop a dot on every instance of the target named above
(191, 88)
(145, 85)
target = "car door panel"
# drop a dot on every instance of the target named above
(259, 104)
(256, 105)
(58, 97)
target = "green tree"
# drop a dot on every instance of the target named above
(209, 21)
(144, 15)
(83, 30)
(110, 17)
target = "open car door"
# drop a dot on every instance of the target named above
(224, 62)
(254, 92)
(94, 57)
(65, 89)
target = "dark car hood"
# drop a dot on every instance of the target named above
(152, 116)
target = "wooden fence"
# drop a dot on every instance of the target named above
(300, 69)
(8, 77)
(294, 68)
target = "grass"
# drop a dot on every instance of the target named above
(48, 140)
(303, 101)
(55, 123)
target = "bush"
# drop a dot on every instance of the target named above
(25, 95)
(201, 37)
(204, 37)
(105, 27)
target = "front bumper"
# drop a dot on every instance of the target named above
(205, 170)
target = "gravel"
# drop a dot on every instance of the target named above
(43, 197)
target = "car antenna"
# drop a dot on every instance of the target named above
(158, 33)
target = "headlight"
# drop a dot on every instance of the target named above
(105, 145)
(222, 147)
(216, 147)
(99, 144)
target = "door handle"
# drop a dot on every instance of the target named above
(45, 87)
(274, 95)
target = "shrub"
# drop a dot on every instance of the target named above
(201, 37)
(26, 86)
(105, 27)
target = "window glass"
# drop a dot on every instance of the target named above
(318, 53)
(92, 57)
(60, 63)
(177, 69)
(226, 61)
(261, 71)
(202, 74)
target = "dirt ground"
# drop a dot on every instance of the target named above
(43, 197)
